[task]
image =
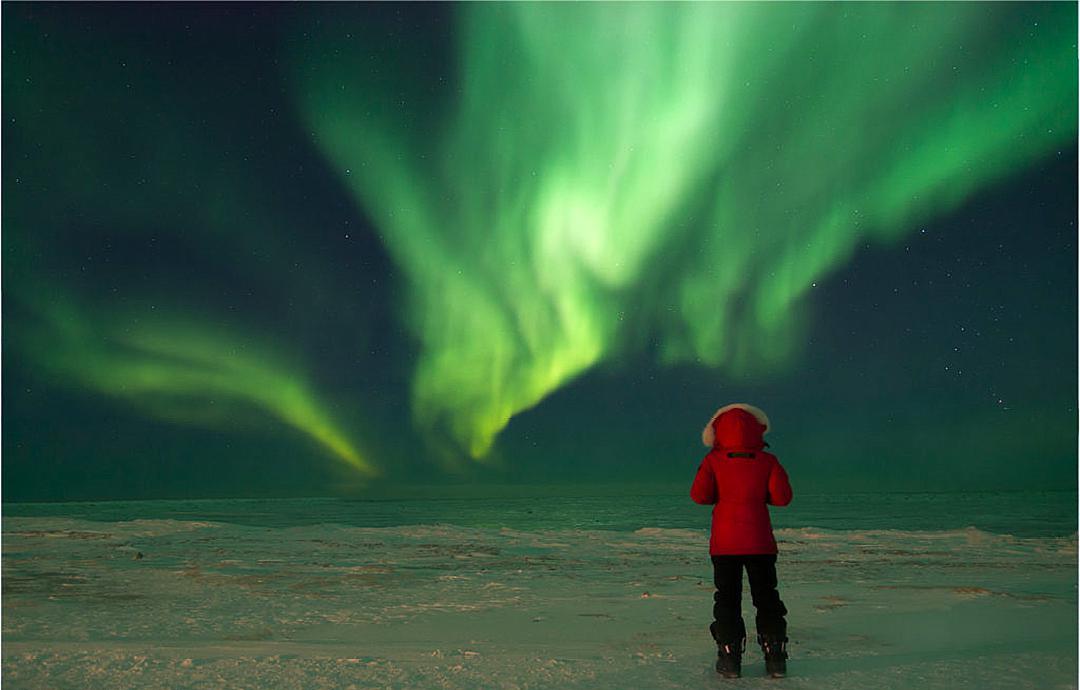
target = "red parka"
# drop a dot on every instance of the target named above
(741, 479)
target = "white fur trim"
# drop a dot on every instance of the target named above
(708, 435)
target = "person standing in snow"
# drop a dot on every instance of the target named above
(741, 480)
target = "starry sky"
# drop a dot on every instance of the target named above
(359, 249)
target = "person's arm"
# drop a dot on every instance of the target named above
(779, 486)
(703, 490)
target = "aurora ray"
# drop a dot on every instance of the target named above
(183, 371)
(725, 156)
(158, 340)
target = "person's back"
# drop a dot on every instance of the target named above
(741, 479)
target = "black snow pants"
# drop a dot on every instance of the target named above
(728, 625)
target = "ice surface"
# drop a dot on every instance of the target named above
(166, 602)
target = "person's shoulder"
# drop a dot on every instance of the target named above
(769, 456)
(713, 456)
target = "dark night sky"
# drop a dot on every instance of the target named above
(308, 249)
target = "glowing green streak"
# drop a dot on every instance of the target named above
(188, 373)
(137, 156)
(921, 119)
(697, 166)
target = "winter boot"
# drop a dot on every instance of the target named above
(729, 658)
(775, 650)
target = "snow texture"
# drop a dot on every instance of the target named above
(170, 603)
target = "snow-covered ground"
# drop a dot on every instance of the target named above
(168, 603)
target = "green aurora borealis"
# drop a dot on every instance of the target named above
(184, 372)
(322, 245)
(582, 134)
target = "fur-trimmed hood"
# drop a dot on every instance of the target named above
(746, 427)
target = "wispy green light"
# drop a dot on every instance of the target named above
(696, 165)
(183, 371)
